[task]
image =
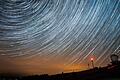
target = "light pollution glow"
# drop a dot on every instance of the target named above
(52, 36)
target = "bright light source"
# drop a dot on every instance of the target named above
(91, 59)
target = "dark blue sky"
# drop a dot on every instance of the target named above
(70, 31)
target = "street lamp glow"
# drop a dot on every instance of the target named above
(92, 62)
(91, 59)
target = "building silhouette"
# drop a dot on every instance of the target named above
(109, 72)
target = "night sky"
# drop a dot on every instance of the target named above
(54, 36)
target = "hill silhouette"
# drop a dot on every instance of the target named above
(110, 72)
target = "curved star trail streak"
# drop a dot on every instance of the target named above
(74, 29)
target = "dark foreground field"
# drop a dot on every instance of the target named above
(92, 74)
(110, 72)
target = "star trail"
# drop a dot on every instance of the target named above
(72, 29)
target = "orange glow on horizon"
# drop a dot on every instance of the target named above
(38, 65)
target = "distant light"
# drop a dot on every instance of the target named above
(91, 59)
